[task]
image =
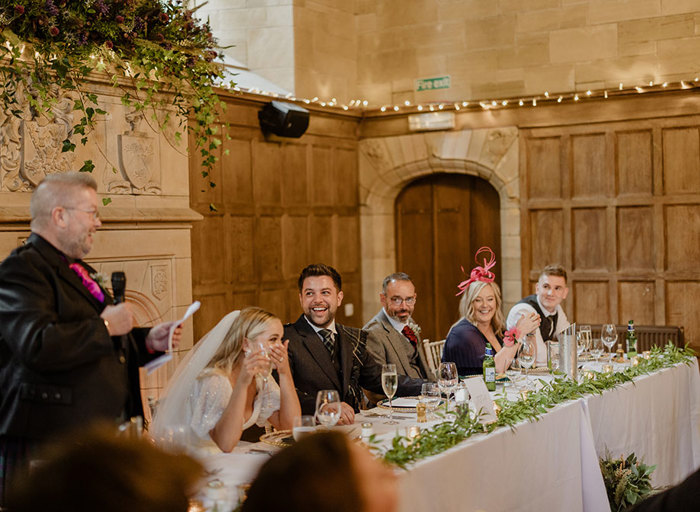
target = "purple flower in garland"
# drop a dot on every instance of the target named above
(139, 24)
(51, 8)
(101, 7)
(19, 9)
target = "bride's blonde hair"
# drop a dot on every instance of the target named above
(250, 323)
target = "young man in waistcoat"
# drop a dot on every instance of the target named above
(550, 292)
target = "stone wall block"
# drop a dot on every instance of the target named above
(583, 44)
(607, 11)
(678, 6)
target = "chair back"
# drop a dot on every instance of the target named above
(433, 353)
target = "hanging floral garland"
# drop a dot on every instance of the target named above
(155, 52)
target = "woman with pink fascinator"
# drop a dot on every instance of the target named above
(482, 322)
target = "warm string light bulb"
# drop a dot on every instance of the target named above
(457, 105)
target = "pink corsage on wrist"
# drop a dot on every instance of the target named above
(511, 336)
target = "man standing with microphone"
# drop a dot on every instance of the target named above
(68, 355)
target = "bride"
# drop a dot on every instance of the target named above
(223, 386)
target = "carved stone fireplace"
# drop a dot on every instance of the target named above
(146, 226)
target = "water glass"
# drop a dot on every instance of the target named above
(303, 426)
(328, 407)
(597, 348)
(430, 396)
(253, 347)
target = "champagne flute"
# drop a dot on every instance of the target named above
(609, 337)
(447, 379)
(328, 407)
(389, 384)
(583, 337)
(527, 354)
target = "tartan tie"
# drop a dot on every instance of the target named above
(410, 335)
(327, 337)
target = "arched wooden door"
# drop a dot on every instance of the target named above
(441, 220)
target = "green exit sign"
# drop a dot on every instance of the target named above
(430, 84)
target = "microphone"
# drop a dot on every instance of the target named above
(118, 286)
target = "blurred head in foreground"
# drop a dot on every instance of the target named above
(99, 471)
(324, 472)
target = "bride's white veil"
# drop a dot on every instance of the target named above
(172, 409)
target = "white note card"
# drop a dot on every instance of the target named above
(481, 399)
(151, 366)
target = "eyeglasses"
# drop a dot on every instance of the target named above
(94, 213)
(397, 301)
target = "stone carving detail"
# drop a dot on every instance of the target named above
(137, 159)
(159, 281)
(11, 153)
(497, 144)
(32, 146)
(376, 154)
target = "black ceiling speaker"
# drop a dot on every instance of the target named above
(283, 119)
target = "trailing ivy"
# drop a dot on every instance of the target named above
(155, 47)
(465, 424)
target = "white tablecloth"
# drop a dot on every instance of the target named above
(551, 464)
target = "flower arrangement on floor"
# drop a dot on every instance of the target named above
(157, 47)
(627, 481)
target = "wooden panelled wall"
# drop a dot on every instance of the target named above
(619, 205)
(282, 204)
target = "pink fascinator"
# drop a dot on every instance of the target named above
(479, 273)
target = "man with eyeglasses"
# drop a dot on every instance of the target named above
(68, 355)
(324, 354)
(393, 337)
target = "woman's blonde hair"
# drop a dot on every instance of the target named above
(250, 323)
(466, 305)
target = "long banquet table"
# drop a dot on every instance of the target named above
(550, 464)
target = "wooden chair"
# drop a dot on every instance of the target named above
(433, 353)
(647, 335)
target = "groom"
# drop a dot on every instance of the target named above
(326, 355)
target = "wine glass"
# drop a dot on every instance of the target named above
(328, 407)
(527, 354)
(389, 383)
(430, 396)
(447, 379)
(597, 348)
(609, 337)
